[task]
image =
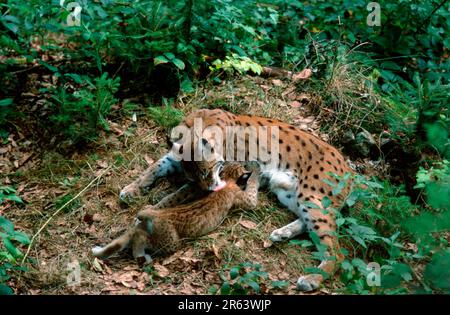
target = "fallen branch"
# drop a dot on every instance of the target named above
(58, 211)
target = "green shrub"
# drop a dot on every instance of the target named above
(240, 280)
(82, 113)
(166, 116)
(9, 253)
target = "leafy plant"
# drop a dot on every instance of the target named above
(81, 113)
(166, 116)
(9, 253)
(382, 226)
(242, 279)
(236, 63)
(9, 193)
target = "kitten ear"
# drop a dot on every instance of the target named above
(243, 179)
(169, 141)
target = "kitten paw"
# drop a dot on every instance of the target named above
(129, 192)
(97, 251)
(309, 282)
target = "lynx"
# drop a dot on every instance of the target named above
(299, 177)
(162, 231)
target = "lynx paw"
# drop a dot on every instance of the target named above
(309, 282)
(144, 260)
(129, 192)
(279, 235)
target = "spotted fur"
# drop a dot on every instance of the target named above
(162, 231)
(304, 162)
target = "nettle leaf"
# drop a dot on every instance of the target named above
(6, 102)
(169, 55)
(48, 66)
(225, 289)
(11, 248)
(186, 85)
(340, 221)
(234, 272)
(14, 198)
(178, 63)
(20, 237)
(352, 198)
(254, 285)
(437, 272)
(6, 225)
(326, 202)
(280, 284)
(302, 243)
(327, 181)
(5, 290)
(159, 60)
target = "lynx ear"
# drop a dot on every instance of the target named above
(207, 146)
(243, 179)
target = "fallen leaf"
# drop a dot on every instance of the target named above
(148, 159)
(102, 163)
(303, 75)
(277, 82)
(5, 150)
(25, 158)
(215, 251)
(96, 217)
(161, 270)
(248, 224)
(295, 104)
(96, 265)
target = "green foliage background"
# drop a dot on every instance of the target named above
(405, 60)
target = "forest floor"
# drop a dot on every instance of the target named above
(48, 179)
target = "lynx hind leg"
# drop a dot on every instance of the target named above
(323, 224)
(115, 246)
(138, 246)
(165, 238)
(165, 166)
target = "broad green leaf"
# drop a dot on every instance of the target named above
(280, 284)
(6, 102)
(178, 63)
(6, 225)
(5, 290)
(225, 289)
(234, 272)
(11, 248)
(159, 60)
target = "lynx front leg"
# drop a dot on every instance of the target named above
(165, 166)
(289, 231)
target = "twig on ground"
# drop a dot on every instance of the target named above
(59, 210)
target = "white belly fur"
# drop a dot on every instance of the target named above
(284, 185)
